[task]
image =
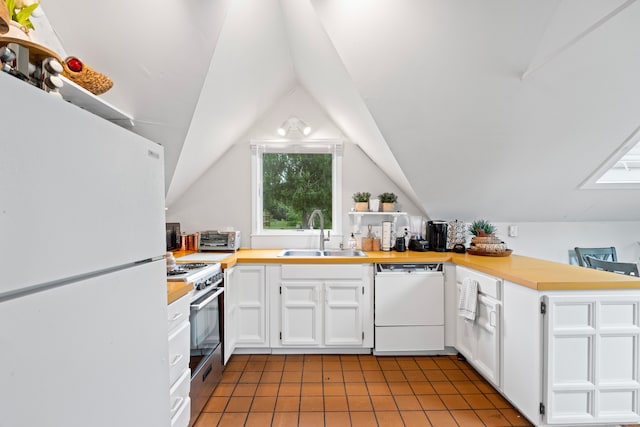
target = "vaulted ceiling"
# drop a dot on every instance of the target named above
(492, 108)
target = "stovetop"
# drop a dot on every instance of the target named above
(204, 277)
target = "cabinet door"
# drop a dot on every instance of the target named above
(486, 354)
(343, 313)
(301, 316)
(230, 310)
(464, 332)
(251, 299)
(592, 359)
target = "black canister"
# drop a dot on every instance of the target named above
(401, 245)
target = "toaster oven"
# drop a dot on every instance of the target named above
(214, 240)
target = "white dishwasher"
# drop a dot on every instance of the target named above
(409, 309)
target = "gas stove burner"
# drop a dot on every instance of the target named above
(176, 272)
(193, 265)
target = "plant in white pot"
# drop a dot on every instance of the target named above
(361, 200)
(388, 201)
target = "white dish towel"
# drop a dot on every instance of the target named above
(468, 302)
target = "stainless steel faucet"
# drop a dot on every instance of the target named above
(322, 238)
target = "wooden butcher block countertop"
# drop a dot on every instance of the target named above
(534, 273)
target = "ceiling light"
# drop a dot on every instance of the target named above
(293, 126)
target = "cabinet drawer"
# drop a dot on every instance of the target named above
(181, 418)
(178, 312)
(180, 392)
(318, 271)
(179, 349)
(487, 285)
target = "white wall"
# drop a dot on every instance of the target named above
(553, 240)
(221, 197)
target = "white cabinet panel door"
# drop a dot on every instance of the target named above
(301, 317)
(487, 339)
(230, 311)
(251, 299)
(592, 353)
(343, 313)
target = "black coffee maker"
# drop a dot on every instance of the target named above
(437, 235)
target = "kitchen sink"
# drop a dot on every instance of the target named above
(317, 253)
(344, 252)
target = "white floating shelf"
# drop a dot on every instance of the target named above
(84, 99)
(377, 213)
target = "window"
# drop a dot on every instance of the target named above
(621, 170)
(291, 180)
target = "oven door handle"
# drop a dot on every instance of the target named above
(199, 306)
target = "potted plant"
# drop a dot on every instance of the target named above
(388, 201)
(482, 228)
(361, 200)
(20, 11)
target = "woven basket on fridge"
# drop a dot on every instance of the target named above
(85, 76)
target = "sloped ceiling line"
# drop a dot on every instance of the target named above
(590, 29)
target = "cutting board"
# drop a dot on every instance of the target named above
(203, 257)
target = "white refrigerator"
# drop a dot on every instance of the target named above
(83, 308)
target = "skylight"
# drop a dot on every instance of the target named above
(621, 170)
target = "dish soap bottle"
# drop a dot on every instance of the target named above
(352, 242)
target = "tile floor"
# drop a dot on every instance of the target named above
(354, 390)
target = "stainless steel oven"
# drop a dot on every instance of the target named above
(206, 317)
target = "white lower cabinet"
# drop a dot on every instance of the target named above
(246, 309)
(179, 353)
(592, 354)
(479, 341)
(321, 306)
(572, 358)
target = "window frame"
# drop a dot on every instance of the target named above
(310, 146)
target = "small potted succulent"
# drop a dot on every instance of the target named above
(361, 200)
(388, 201)
(482, 228)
